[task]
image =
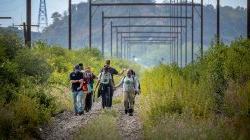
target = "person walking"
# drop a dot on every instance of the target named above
(76, 80)
(113, 72)
(129, 88)
(105, 83)
(90, 77)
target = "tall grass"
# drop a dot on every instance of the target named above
(207, 100)
(102, 128)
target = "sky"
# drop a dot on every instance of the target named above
(16, 8)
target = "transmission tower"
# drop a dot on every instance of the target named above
(42, 16)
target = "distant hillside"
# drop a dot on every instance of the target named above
(233, 23)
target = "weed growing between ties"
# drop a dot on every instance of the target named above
(207, 100)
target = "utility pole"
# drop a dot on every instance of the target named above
(124, 50)
(28, 21)
(192, 31)
(218, 22)
(171, 29)
(24, 26)
(121, 47)
(90, 24)
(24, 33)
(248, 19)
(177, 48)
(111, 41)
(186, 34)
(116, 42)
(70, 16)
(181, 50)
(202, 27)
(102, 33)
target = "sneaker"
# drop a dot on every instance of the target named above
(81, 113)
(130, 110)
(126, 111)
(130, 114)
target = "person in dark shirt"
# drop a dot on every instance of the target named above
(76, 79)
(113, 72)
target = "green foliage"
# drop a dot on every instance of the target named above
(215, 89)
(9, 44)
(32, 64)
(35, 83)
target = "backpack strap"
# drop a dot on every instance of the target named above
(123, 78)
(134, 82)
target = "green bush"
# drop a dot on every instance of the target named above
(32, 64)
(35, 83)
(215, 88)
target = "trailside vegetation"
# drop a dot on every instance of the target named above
(34, 83)
(209, 99)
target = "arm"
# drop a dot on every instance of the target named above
(98, 81)
(121, 73)
(115, 72)
(81, 82)
(121, 82)
(94, 76)
(71, 79)
(75, 81)
(136, 84)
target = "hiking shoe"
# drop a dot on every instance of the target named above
(130, 110)
(81, 113)
(126, 111)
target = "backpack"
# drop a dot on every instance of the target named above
(85, 86)
(134, 82)
(105, 78)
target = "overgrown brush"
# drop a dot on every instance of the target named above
(214, 89)
(35, 84)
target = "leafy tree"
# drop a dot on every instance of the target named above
(56, 17)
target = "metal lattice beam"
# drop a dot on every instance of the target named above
(5, 17)
(150, 26)
(163, 17)
(143, 4)
(138, 32)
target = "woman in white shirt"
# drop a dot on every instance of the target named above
(129, 86)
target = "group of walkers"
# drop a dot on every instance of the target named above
(83, 90)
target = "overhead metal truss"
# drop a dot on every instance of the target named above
(176, 7)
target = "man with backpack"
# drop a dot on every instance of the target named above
(113, 72)
(129, 89)
(105, 83)
(76, 79)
